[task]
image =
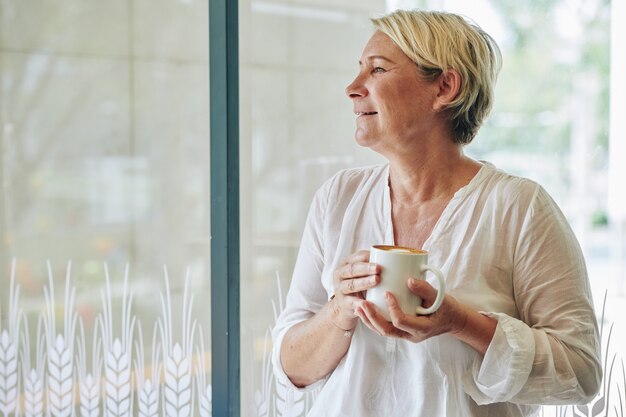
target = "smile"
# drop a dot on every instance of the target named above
(365, 113)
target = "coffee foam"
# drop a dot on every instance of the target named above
(399, 249)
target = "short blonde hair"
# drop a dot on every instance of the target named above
(440, 41)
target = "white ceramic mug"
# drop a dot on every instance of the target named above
(398, 264)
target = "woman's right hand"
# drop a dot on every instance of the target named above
(351, 279)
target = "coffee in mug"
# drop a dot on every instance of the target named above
(398, 264)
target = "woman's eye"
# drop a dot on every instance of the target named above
(379, 69)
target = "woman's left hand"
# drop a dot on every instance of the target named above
(451, 316)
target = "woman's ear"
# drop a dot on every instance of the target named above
(449, 83)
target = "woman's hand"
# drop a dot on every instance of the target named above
(451, 316)
(351, 279)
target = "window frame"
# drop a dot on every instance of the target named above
(225, 262)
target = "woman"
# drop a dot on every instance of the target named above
(516, 327)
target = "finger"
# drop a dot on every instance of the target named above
(380, 323)
(361, 314)
(357, 269)
(351, 302)
(368, 314)
(399, 319)
(360, 256)
(424, 290)
(357, 285)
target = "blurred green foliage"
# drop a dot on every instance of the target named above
(543, 67)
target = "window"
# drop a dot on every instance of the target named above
(551, 122)
(104, 134)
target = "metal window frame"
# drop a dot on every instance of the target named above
(224, 113)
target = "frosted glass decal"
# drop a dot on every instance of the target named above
(277, 400)
(59, 376)
(274, 398)
(9, 347)
(49, 369)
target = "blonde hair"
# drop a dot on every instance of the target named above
(440, 41)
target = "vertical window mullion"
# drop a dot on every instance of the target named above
(224, 91)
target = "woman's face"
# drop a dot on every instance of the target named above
(393, 104)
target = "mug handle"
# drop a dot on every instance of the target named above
(441, 292)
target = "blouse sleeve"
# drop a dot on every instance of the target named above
(306, 294)
(551, 354)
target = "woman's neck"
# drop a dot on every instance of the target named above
(427, 176)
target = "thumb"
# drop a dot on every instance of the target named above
(392, 304)
(422, 289)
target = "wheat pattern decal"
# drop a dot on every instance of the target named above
(8, 374)
(148, 399)
(89, 387)
(205, 399)
(600, 406)
(52, 371)
(287, 402)
(147, 385)
(89, 400)
(177, 384)
(178, 391)
(60, 348)
(262, 398)
(117, 353)
(206, 402)
(33, 377)
(621, 392)
(9, 348)
(45, 378)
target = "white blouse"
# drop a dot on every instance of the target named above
(506, 250)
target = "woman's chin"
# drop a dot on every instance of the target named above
(364, 139)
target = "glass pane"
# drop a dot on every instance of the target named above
(104, 214)
(297, 127)
(550, 123)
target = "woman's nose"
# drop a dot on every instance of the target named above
(356, 89)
